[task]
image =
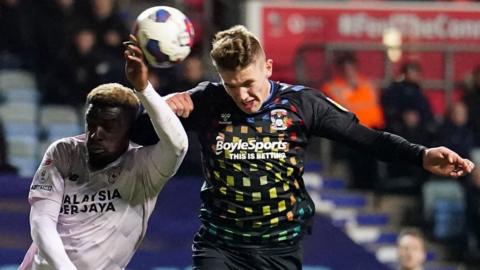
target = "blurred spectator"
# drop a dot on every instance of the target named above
(188, 74)
(455, 133)
(110, 27)
(81, 66)
(192, 73)
(352, 90)
(111, 30)
(411, 248)
(15, 48)
(357, 94)
(404, 103)
(472, 99)
(473, 212)
(76, 71)
(5, 167)
(58, 19)
(408, 114)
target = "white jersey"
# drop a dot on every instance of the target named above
(104, 213)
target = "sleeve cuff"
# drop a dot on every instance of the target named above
(147, 91)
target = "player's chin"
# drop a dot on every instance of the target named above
(250, 107)
(99, 160)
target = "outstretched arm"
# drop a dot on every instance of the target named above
(333, 122)
(444, 162)
(168, 153)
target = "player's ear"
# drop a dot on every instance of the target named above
(269, 67)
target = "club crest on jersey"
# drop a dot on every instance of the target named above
(43, 177)
(279, 119)
(225, 119)
(114, 175)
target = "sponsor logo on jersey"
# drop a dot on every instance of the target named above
(98, 202)
(43, 176)
(251, 149)
(115, 172)
(225, 119)
(279, 118)
(41, 187)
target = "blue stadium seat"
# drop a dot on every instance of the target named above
(372, 219)
(345, 199)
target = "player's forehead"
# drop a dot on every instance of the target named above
(240, 75)
(104, 113)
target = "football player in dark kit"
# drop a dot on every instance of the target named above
(253, 133)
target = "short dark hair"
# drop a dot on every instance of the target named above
(235, 48)
(410, 66)
(346, 57)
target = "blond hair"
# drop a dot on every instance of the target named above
(235, 48)
(114, 94)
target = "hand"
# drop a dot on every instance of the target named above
(444, 162)
(180, 103)
(135, 68)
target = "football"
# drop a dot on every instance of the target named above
(165, 35)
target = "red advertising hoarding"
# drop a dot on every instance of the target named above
(286, 26)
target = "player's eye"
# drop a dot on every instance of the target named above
(108, 128)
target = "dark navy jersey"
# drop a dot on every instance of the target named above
(253, 164)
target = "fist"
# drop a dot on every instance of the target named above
(180, 103)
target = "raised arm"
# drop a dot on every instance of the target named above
(168, 153)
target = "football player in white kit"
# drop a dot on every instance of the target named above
(93, 194)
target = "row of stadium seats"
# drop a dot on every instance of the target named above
(353, 213)
(29, 127)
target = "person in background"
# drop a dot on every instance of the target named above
(473, 215)
(16, 46)
(472, 100)
(5, 167)
(455, 133)
(411, 248)
(111, 29)
(354, 91)
(407, 113)
(404, 104)
(357, 94)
